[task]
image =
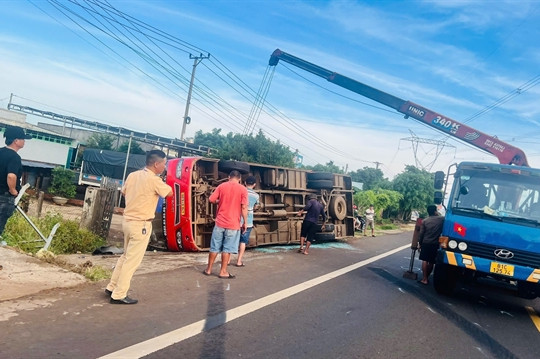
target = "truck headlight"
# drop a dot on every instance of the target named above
(179, 239)
(462, 246)
(452, 244)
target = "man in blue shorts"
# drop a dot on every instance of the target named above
(232, 200)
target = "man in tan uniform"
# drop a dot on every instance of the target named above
(141, 190)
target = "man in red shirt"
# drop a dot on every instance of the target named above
(232, 200)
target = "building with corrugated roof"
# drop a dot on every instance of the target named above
(45, 151)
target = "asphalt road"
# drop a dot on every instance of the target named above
(344, 300)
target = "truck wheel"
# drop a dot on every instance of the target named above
(338, 208)
(325, 236)
(315, 176)
(444, 278)
(528, 290)
(320, 184)
(329, 227)
(228, 166)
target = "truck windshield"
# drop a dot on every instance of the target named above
(503, 195)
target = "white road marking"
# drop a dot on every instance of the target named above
(176, 336)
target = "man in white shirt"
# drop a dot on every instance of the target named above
(370, 220)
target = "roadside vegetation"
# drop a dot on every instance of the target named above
(67, 239)
(86, 269)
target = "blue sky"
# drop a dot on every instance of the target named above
(458, 58)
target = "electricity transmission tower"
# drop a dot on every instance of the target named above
(439, 146)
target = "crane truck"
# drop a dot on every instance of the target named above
(491, 230)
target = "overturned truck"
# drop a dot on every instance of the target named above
(186, 219)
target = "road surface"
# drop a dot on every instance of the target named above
(344, 300)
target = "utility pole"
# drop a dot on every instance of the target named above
(377, 164)
(187, 119)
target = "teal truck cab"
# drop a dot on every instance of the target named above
(491, 228)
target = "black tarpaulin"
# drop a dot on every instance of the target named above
(110, 163)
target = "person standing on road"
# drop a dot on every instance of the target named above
(370, 220)
(232, 200)
(141, 190)
(10, 172)
(253, 201)
(309, 226)
(428, 241)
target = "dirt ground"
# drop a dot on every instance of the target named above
(22, 275)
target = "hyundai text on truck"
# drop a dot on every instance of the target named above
(492, 221)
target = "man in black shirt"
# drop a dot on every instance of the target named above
(309, 226)
(428, 241)
(10, 172)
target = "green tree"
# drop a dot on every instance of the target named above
(383, 200)
(416, 186)
(134, 149)
(101, 141)
(371, 178)
(328, 167)
(248, 148)
(63, 183)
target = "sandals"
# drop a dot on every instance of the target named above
(301, 250)
(230, 276)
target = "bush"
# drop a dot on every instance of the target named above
(67, 239)
(62, 183)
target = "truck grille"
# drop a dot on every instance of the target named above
(522, 258)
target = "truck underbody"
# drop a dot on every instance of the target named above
(187, 219)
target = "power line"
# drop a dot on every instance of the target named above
(128, 38)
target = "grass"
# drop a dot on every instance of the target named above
(86, 269)
(68, 239)
(386, 227)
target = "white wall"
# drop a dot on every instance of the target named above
(44, 151)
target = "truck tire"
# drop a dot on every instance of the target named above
(528, 290)
(320, 184)
(444, 278)
(228, 166)
(315, 176)
(338, 208)
(324, 237)
(329, 227)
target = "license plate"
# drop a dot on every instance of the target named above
(501, 268)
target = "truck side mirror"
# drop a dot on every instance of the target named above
(438, 197)
(439, 180)
(463, 190)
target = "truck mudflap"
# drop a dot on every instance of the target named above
(489, 267)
